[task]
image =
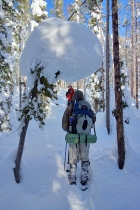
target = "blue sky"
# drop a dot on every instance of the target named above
(67, 2)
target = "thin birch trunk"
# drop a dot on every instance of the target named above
(126, 57)
(85, 88)
(103, 88)
(133, 80)
(107, 71)
(102, 67)
(137, 79)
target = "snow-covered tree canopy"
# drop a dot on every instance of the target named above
(59, 45)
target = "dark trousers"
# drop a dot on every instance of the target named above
(69, 103)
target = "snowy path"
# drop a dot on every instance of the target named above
(43, 179)
(45, 151)
(44, 183)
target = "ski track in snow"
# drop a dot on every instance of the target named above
(58, 184)
(52, 147)
(44, 184)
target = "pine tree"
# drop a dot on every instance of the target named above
(95, 86)
(132, 47)
(136, 73)
(22, 32)
(6, 82)
(95, 19)
(96, 24)
(107, 70)
(38, 11)
(75, 13)
(32, 108)
(125, 42)
(118, 92)
(58, 9)
(133, 79)
(24, 18)
(89, 12)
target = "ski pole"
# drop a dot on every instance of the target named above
(65, 156)
(94, 130)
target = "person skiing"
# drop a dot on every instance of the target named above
(69, 94)
(77, 152)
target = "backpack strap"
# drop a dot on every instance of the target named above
(94, 130)
(74, 104)
(75, 100)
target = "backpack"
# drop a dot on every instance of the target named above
(82, 118)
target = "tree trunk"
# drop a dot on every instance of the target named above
(107, 70)
(32, 94)
(126, 57)
(118, 94)
(137, 79)
(77, 85)
(20, 151)
(103, 88)
(133, 78)
(85, 88)
(20, 50)
(20, 91)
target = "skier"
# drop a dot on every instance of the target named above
(77, 152)
(69, 94)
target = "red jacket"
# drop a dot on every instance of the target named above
(69, 94)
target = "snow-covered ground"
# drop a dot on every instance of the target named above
(44, 184)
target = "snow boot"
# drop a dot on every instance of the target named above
(84, 172)
(72, 175)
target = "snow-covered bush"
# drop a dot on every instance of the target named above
(5, 75)
(36, 101)
(95, 85)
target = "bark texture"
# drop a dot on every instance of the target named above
(20, 151)
(103, 90)
(133, 70)
(118, 93)
(107, 71)
(137, 76)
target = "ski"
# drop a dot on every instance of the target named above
(69, 178)
(84, 188)
(82, 182)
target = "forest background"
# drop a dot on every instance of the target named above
(120, 68)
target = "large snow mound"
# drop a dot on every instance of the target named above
(69, 47)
